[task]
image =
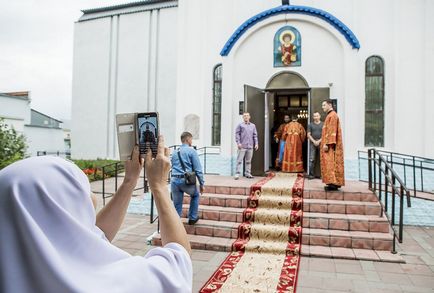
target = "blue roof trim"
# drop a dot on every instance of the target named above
(336, 23)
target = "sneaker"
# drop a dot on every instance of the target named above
(192, 222)
(237, 176)
(249, 176)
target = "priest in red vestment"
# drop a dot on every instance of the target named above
(294, 136)
(278, 138)
(332, 150)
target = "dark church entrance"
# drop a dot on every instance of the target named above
(291, 103)
(286, 93)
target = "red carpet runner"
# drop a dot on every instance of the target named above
(265, 257)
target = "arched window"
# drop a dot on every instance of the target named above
(216, 104)
(374, 102)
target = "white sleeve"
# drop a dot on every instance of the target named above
(172, 265)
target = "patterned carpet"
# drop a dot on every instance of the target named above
(265, 257)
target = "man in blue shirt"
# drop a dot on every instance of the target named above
(177, 183)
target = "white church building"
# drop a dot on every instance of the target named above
(200, 63)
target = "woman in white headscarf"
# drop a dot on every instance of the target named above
(52, 241)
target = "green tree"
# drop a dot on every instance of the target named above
(12, 145)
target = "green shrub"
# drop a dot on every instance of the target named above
(12, 145)
(93, 168)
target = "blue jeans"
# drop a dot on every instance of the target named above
(178, 188)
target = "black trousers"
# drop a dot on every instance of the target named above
(314, 156)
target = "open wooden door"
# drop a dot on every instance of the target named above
(254, 103)
(317, 96)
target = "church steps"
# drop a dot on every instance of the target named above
(223, 200)
(224, 244)
(217, 213)
(227, 189)
(341, 207)
(347, 239)
(340, 195)
(342, 224)
(222, 229)
(324, 237)
(350, 253)
(202, 242)
(309, 205)
(345, 222)
(355, 191)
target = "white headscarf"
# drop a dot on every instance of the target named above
(49, 241)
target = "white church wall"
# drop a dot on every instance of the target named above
(409, 74)
(166, 74)
(169, 69)
(90, 89)
(428, 74)
(119, 72)
(203, 28)
(133, 63)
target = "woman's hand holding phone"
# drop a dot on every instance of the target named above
(133, 167)
(157, 170)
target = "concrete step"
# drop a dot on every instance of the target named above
(223, 229)
(322, 237)
(229, 188)
(223, 200)
(225, 244)
(217, 213)
(350, 253)
(345, 222)
(341, 207)
(203, 242)
(309, 205)
(333, 221)
(365, 196)
(347, 239)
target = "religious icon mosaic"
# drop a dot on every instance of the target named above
(287, 47)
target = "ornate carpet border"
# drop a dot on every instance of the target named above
(290, 267)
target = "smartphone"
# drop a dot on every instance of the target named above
(126, 129)
(147, 132)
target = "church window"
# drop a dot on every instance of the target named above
(217, 104)
(374, 102)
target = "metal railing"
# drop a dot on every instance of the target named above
(417, 172)
(113, 170)
(56, 153)
(202, 152)
(381, 177)
(109, 171)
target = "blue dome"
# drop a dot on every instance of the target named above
(336, 23)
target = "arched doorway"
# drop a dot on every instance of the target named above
(286, 93)
(287, 80)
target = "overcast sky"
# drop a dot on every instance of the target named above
(36, 40)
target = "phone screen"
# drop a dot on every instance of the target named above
(147, 127)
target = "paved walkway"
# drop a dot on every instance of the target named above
(316, 274)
